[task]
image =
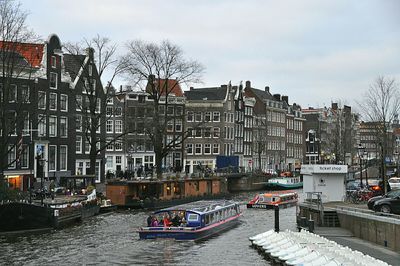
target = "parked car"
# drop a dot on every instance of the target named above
(394, 182)
(388, 203)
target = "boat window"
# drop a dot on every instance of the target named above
(193, 217)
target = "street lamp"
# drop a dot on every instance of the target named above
(361, 149)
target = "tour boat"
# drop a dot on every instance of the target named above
(195, 221)
(268, 200)
(284, 183)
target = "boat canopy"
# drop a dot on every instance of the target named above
(200, 207)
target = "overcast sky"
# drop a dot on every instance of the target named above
(315, 52)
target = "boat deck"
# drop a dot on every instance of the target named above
(62, 199)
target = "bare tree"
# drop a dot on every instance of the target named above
(92, 100)
(151, 66)
(17, 76)
(381, 104)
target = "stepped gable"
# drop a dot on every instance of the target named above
(31, 53)
(210, 94)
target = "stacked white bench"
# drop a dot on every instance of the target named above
(308, 249)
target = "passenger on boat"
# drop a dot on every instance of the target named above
(149, 220)
(166, 221)
(154, 223)
(176, 220)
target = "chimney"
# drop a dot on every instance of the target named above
(248, 84)
(266, 88)
(285, 99)
(334, 106)
(90, 52)
(191, 88)
(277, 97)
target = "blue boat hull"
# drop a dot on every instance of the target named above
(180, 233)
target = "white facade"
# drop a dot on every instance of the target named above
(325, 178)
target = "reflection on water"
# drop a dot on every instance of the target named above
(111, 239)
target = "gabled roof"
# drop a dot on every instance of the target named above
(73, 64)
(262, 95)
(32, 52)
(212, 94)
(173, 87)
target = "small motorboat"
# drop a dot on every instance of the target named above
(283, 199)
(107, 206)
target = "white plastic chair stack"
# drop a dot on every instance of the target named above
(308, 249)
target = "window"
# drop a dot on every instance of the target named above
(118, 111)
(53, 80)
(190, 116)
(207, 116)
(11, 156)
(207, 148)
(118, 126)
(87, 145)
(78, 102)
(215, 148)
(216, 116)
(109, 126)
(12, 94)
(52, 126)
(98, 105)
(109, 111)
(207, 132)
(110, 101)
(189, 148)
(12, 123)
(198, 117)
(90, 70)
(42, 125)
(118, 159)
(25, 130)
(63, 157)
(170, 126)
(109, 160)
(25, 94)
(118, 145)
(170, 110)
(53, 101)
(24, 157)
(179, 110)
(63, 102)
(53, 61)
(78, 122)
(178, 126)
(216, 132)
(63, 127)
(52, 157)
(198, 132)
(198, 148)
(110, 146)
(78, 144)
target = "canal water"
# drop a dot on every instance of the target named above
(111, 239)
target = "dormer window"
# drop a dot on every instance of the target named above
(53, 61)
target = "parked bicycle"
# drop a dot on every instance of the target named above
(358, 196)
